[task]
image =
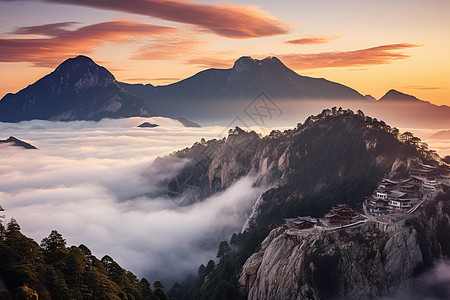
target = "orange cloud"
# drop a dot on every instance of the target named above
(62, 43)
(371, 56)
(212, 62)
(232, 21)
(53, 29)
(313, 40)
(165, 47)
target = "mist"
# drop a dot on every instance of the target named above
(433, 284)
(91, 181)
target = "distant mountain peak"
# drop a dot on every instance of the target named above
(394, 95)
(247, 63)
(78, 89)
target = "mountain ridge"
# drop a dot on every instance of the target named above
(79, 89)
(247, 78)
(334, 157)
(394, 95)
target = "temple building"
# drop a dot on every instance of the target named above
(342, 213)
(301, 222)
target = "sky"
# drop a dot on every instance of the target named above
(371, 46)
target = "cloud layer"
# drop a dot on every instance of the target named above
(87, 180)
(232, 21)
(58, 42)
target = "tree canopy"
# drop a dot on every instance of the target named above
(52, 270)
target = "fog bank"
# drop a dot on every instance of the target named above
(89, 180)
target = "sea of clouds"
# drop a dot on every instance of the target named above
(88, 180)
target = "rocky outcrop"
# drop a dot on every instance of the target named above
(354, 263)
(17, 143)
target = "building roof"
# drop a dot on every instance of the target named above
(386, 180)
(307, 218)
(422, 170)
(408, 185)
(300, 220)
(396, 194)
(419, 178)
(331, 215)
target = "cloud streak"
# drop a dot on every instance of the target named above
(58, 42)
(312, 40)
(364, 57)
(421, 87)
(169, 47)
(232, 21)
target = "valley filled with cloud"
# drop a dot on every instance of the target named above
(91, 181)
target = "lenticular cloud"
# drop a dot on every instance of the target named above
(90, 181)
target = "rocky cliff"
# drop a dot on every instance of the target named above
(329, 146)
(354, 263)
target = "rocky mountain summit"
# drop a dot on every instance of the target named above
(330, 146)
(337, 156)
(356, 263)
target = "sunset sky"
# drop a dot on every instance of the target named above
(371, 46)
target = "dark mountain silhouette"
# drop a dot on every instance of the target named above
(223, 94)
(217, 88)
(408, 111)
(81, 90)
(396, 96)
(443, 135)
(148, 125)
(188, 123)
(78, 89)
(18, 143)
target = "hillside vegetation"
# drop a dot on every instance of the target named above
(52, 270)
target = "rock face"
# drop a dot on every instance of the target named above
(334, 157)
(357, 263)
(354, 263)
(78, 89)
(342, 144)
